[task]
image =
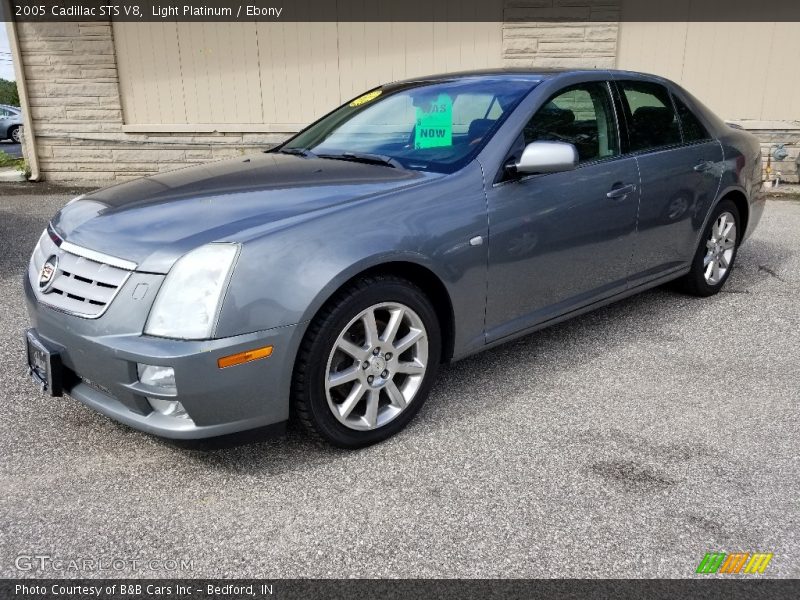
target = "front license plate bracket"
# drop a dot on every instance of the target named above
(44, 364)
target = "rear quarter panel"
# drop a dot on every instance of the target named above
(741, 152)
(743, 172)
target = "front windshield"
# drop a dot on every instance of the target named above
(437, 126)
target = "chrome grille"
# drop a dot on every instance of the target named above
(81, 286)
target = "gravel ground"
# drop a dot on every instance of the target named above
(627, 442)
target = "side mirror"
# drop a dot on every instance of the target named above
(547, 157)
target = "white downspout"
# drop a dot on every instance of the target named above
(28, 138)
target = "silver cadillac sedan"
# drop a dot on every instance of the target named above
(326, 279)
(10, 123)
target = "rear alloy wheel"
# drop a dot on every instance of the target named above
(15, 135)
(367, 363)
(720, 248)
(714, 258)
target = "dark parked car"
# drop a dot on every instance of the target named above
(421, 222)
(10, 123)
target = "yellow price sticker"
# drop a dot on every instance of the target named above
(368, 97)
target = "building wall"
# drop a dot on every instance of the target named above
(280, 76)
(585, 38)
(76, 108)
(78, 103)
(738, 69)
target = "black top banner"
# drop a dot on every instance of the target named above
(405, 10)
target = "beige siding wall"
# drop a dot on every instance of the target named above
(279, 76)
(744, 72)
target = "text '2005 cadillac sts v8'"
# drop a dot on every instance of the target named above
(421, 222)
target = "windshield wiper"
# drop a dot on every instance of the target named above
(364, 157)
(304, 152)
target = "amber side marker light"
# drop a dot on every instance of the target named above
(244, 357)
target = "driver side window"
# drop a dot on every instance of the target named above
(582, 115)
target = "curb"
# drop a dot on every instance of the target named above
(11, 174)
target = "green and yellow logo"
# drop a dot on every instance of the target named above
(739, 562)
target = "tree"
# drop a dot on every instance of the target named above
(8, 92)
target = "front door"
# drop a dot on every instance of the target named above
(562, 240)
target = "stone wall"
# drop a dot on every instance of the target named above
(788, 168)
(585, 36)
(75, 105)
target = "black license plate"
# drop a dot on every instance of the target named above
(44, 364)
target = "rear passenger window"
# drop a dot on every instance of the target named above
(651, 119)
(581, 115)
(691, 126)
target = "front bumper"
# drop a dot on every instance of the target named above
(100, 359)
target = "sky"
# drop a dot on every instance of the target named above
(6, 68)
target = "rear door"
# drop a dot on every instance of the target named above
(680, 167)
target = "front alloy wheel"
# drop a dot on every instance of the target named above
(367, 362)
(377, 366)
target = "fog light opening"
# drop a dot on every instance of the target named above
(168, 408)
(162, 378)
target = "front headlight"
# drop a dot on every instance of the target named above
(188, 302)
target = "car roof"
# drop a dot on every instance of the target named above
(532, 75)
(522, 74)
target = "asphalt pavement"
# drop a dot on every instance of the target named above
(625, 443)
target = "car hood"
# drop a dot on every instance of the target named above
(155, 220)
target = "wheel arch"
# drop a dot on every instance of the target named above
(739, 199)
(405, 267)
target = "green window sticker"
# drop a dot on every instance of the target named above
(434, 124)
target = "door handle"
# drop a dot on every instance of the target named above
(703, 165)
(620, 191)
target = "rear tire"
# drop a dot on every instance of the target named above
(367, 362)
(715, 255)
(15, 134)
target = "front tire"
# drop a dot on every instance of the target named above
(367, 362)
(713, 261)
